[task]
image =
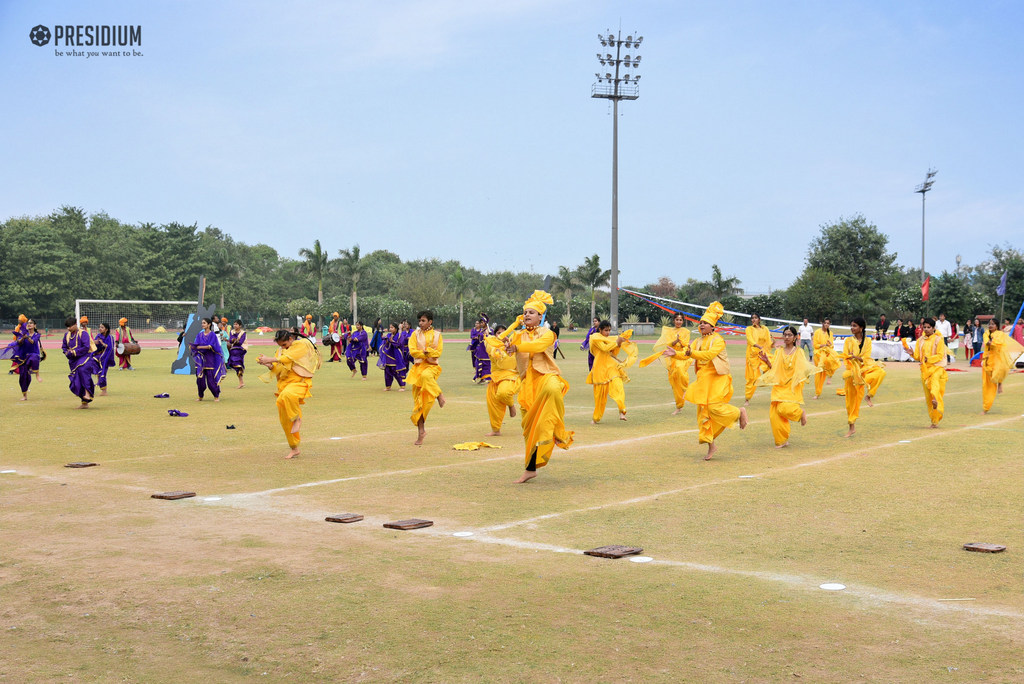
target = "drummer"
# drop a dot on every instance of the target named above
(334, 329)
(123, 336)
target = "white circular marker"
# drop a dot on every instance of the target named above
(832, 586)
(462, 534)
(904, 441)
(5, 472)
(337, 438)
(212, 498)
(640, 559)
(747, 477)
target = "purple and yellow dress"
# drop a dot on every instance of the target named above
(586, 347)
(210, 368)
(476, 339)
(236, 351)
(483, 359)
(77, 347)
(26, 355)
(104, 357)
(392, 360)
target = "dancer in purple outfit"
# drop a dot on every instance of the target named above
(392, 360)
(358, 347)
(209, 360)
(104, 343)
(77, 347)
(236, 352)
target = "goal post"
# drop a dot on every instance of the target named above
(142, 315)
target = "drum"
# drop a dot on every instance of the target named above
(128, 348)
(327, 341)
(336, 338)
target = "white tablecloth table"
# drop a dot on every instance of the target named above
(892, 349)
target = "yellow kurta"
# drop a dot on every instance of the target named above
(541, 396)
(504, 384)
(712, 389)
(608, 374)
(294, 370)
(857, 356)
(825, 358)
(931, 353)
(679, 365)
(786, 377)
(425, 348)
(758, 339)
(998, 352)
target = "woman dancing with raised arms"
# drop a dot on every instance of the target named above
(296, 361)
(543, 388)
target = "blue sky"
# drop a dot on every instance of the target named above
(465, 129)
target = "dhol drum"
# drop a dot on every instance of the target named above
(128, 348)
(336, 338)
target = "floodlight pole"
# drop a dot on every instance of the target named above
(617, 86)
(923, 188)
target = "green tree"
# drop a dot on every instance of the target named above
(951, 295)
(593, 276)
(856, 252)
(352, 269)
(565, 282)
(990, 272)
(315, 268)
(458, 284)
(816, 295)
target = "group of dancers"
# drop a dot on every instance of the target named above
(517, 363)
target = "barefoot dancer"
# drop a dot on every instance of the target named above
(998, 350)
(712, 389)
(787, 372)
(296, 361)
(104, 356)
(608, 375)
(543, 388)
(209, 361)
(27, 352)
(237, 349)
(425, 347)
(669, 348)
(931, 352)
(391, 359)
(759, 339)
(77, 347)
(504, 385)
(862, 376)
(825, 356)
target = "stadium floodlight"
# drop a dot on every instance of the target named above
(923, 188)
(620, 86)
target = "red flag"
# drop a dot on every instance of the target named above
(924, 289)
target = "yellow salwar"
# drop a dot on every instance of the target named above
(608, 374)
(786, 377)
(504, 384)
(294, 368)
(541, 396)
(931, 352)
(425, 348)
(758, 339)
(712, 389)
(857, 357)
(998, 351)
(679, 365)
(825, 358)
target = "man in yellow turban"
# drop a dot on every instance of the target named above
(541, 396)
(425, 348)
(712, 389)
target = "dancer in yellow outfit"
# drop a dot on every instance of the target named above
(669, 348)
(296, 361)
(712, 389)
(608, 374)
(542, 395)
(857, 355)
(504, 384)
(759, 339)
(787, 372)
(825, 356)
(425, 347)
(930, 350)
(998, 351)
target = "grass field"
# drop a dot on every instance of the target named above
(247, 582)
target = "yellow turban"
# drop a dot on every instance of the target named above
(713, 313)
(84, 320)
(538, 301)
(334, 315)
(123, 321)
(22, 318)
(309, 317)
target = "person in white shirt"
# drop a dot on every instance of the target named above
(943, 327)
(806, 333)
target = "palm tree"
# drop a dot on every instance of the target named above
(315, 268)
(352, 268)
(566, 281)
(458, 283)
(593, 276)
(723, 287)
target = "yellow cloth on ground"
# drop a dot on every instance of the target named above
(294, 370)
(712, 389)
(825, 358)
(758, 339)
(425, 348)
(473, 446)
(504, 384)
(786, 377)
(541, 396)
(678, 339)
(998, 352)
(931, 352)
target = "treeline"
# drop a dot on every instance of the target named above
(849, 271)
(47, 262)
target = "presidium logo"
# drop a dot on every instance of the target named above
(94, 36)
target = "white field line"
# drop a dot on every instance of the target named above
(517, 455)
(809, 584)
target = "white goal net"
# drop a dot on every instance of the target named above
(143, 316)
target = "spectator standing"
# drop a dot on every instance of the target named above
(943, 327)
(806, 334)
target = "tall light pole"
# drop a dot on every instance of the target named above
(615, 86)
(923, 188)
